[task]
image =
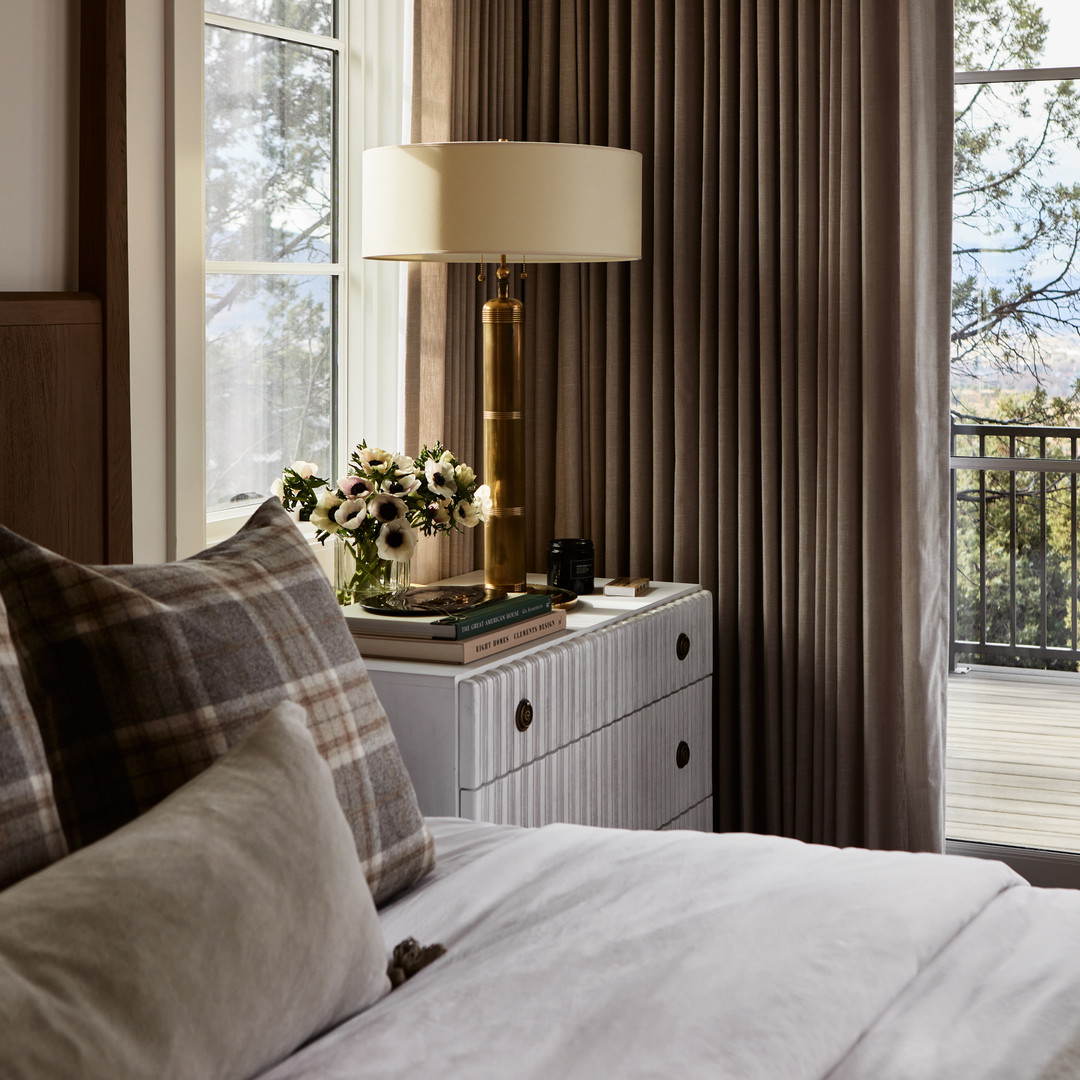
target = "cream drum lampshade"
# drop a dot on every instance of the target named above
(533, 202)
(498, 202)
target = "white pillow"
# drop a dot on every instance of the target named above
(208, 938)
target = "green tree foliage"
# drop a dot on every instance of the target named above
(1028, 519)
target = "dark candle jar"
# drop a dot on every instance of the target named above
(570, 565)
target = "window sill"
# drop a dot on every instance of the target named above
(221, 524)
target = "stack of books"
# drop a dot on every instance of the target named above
(456, 639)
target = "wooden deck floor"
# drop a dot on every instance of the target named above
(1013, 758)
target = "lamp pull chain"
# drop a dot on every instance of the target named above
(524, 272)
(480, 275)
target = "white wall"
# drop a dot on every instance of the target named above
(39, 83)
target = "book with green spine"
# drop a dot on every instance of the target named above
(495, 614)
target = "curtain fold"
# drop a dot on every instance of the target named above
(759, 404)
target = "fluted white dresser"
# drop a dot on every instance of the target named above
(606, 723)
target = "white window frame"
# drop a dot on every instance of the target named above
(375, 44)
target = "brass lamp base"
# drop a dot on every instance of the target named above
(504, 446)
(504, 437)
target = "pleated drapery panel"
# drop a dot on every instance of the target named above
(760, 404)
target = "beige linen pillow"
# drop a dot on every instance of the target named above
(207, 939)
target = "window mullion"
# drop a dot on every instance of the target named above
(1017, 75)
(282, 33)
(291, 268)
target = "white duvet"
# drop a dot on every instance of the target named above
(580, 952)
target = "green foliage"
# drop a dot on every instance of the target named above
(1021, 547)
(996, 34)
(1034, 407)
(1028, 523)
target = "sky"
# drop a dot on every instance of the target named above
(1063, 40)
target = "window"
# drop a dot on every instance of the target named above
(1015, 432)
(285, 340)
(1016, 282)
(273, 242)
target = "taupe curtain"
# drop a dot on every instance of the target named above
(760, 404)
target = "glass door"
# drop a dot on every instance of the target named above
(1013, 746)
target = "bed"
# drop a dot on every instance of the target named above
(582, 952)
(210, 849)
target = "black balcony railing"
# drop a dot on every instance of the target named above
(1014, 545)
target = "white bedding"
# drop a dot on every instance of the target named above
(580, 952)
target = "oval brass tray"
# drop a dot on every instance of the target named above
(432, 600)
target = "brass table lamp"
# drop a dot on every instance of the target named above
(478, 201)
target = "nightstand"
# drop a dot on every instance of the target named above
(606, 723)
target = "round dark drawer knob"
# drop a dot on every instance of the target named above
(682, 647)
(523, 717)
(682, 755)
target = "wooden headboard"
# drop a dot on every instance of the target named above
(65, 414)
(52, 422)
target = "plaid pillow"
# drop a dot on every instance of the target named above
(30, 834)
(141, 676)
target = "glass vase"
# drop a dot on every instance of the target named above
(359, 572)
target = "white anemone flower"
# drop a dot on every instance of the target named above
(375, 460)
(350, 514)
(467, 514)
(464, 475)
(404, 464)
(322, 517)
(440, 477)
(402, 485)
(396, 542)
(304, 469)
(482, 502)
(355, 487)
(386, 509)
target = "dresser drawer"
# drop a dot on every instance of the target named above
(525, 709)
(641, 772)
(661, 651)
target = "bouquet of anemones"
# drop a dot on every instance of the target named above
(384, 500)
